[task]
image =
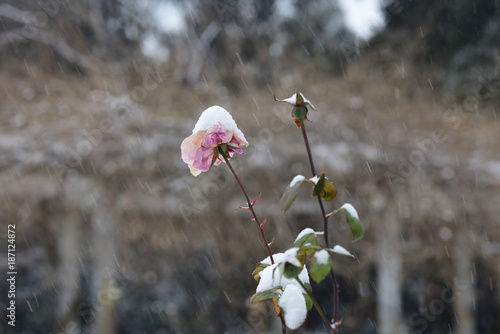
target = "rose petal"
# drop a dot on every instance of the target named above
(189, 149)
(215, 127)
(203, 159)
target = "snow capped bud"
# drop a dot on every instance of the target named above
(300, 104)
(215, 133)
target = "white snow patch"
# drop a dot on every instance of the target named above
(352, 211)
(271, 277)
(341, 250)
(214, 115)
(314, 179)
(293, 100)
(297, 179)
(294, 306)
(322, 257)
(290, 256)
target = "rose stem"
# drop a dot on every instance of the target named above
(261, 228)
(250, 206)
(325, 222)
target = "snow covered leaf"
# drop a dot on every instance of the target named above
(291, 265)
(323, 187)
(290, 256)
(294, 306)
(320, 265)
(260, 266)
(290, 194)
(357, 229)
(265, 295)
(340, 250)
(272, 275)
(290, 271)
(318, 188)
(305, 237)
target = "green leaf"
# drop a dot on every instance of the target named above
(329, 191)
(308, 250)
(308, 287)
(357, 229)
(291, 271)
(309, 303)
(260, 266)
(320, 266)
(320, 185)
(268, 294)
(290, 193)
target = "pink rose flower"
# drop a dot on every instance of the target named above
(214, 128)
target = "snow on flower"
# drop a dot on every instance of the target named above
(294, 307)
(349, 208)
(214, 128)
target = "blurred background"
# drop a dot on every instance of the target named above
(114, 235)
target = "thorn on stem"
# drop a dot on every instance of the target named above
(271, 243)
(257, 199)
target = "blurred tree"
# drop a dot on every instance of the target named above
(457, 36)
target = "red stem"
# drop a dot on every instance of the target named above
(250, 206)
(261, 228)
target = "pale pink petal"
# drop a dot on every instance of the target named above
(241, 141)
(217, 135)
(203, 158)
(189, 148)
